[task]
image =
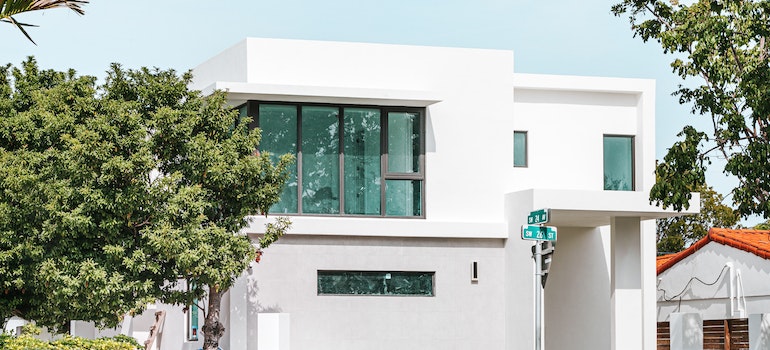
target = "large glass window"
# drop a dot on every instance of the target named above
(619, 163)
(520, 148)
(375, 283)
(351, 160)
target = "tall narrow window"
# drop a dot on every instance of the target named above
(619, 163)
(279, 136)
(520, 148)
(320, 160)
(362, 161)
(403, 186)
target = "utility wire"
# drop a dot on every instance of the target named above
(687, 286)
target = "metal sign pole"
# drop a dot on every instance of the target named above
(538, 296)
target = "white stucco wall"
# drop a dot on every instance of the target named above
(462, 314)
(713, 301)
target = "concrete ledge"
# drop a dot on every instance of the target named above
(239, 92)
(385, 227)
(583, 208)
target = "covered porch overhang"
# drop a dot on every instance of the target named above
(584, 208)
(601, 287)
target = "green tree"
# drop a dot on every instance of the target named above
(763, 226)
(720, 52)
(10, 8)
(678, 233)
(116, 195)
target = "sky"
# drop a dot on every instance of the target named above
(548, 37)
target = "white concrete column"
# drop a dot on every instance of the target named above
(759, 331)
(686, 331)
(626, 319)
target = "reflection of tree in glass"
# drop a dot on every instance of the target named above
(375, 283)
(279, 136)
(320, 160)
(616, 184)
(362, 161)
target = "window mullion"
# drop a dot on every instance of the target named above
(299, 159)
(341, 158)
(383, 156)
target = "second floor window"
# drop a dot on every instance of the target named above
(350, 160)
(618, 163)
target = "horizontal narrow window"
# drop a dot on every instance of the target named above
(375, 283)
(350, 160)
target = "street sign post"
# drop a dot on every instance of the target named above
(539, 216)
(538, 233)
(535, 231)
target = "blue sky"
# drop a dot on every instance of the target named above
(552, 37)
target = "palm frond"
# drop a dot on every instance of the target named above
(10, 8)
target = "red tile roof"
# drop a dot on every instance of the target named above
(660, 260)
(756, 242)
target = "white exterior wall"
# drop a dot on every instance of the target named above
(713, 302)
(461, 315)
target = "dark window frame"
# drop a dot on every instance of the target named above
(526, 148)
(431, 295)
(633, 160)
(252, 110)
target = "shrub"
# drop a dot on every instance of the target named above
(27, 342)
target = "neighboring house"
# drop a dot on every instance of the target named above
(725, 275)
(416, 169)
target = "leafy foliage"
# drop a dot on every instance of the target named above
(721, 54)
(28, 342)
(10, 8)
(678, 233)
(116, 195)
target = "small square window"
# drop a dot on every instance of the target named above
(520, 148)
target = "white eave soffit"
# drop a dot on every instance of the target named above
(240, 92)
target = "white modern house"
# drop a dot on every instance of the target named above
(416, 169)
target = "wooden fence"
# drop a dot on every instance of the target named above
(731, 334)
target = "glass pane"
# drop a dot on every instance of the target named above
(375, 283)
(279, 136)
(320, 160)
(403, 197)
(519, 148)
(362, 161)
(403, 142)
(618, 163)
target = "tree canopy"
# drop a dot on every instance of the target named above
(115, 195)
(720, 51)
(677, 233)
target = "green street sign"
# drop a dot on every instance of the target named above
(539, 216)
(538, 233)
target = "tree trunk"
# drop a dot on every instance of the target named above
(212, 328)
